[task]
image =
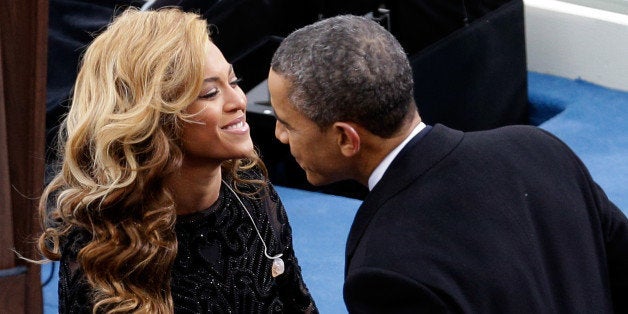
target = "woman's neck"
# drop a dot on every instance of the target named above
(195, 189)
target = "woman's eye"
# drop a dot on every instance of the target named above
(235, 82)
(211, 94)
(214, 91)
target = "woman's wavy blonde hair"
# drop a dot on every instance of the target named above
(118, 143)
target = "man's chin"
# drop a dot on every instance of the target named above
(318, 180)
(313, 179)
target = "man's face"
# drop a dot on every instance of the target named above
(315, 150)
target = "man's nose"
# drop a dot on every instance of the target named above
(280, 133)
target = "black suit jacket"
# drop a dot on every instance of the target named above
(500, 221)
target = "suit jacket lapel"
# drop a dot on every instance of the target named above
(419, 155)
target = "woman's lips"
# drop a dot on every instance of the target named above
(235, 126)
(238, 126)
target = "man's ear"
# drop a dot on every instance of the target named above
(348, 138)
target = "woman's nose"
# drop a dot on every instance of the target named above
(236, 99)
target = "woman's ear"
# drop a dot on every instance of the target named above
(348, 138)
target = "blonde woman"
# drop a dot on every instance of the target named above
(161, 204)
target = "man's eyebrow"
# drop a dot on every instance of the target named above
(281, 120)
(216, 78)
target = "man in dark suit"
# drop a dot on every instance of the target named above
(499, 221)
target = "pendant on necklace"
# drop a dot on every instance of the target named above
(278, 267)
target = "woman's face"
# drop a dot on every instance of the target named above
(219, 131)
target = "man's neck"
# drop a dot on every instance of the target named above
(392, 150)
(377, 148)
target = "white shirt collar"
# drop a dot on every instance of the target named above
(379, 171)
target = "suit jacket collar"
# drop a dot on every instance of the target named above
(420, 154)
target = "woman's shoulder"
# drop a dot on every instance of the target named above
(252, 173)
(251, 181)
(76, 239)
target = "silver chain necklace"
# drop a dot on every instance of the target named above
(278, 265)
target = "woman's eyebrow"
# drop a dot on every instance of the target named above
(216, 78)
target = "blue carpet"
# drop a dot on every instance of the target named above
(50, 281)
(320, 225)
(591, 119)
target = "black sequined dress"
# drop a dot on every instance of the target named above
(220, 265)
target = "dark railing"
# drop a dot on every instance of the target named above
(23, 47)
